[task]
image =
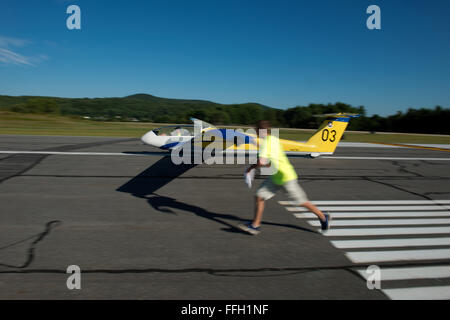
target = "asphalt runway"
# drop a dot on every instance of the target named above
(139, 228)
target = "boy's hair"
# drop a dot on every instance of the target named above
(263, 124)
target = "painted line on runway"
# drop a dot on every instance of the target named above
(398, 255)
(371, 208)
(413, 146)
(366, 202)
(166, 153)
(385, 231)
(389, 274)
(420, 293)
(86, 153)
(377, 214)
(383, 222)
(386, 158)
(390, 243)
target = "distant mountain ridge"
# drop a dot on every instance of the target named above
(140, 106)
(150, 108)
(149, 97)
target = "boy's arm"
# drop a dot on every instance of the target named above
(263, 158)
(262, 162)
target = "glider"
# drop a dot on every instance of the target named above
(323, 142)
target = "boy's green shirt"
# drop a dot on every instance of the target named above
(270, 148)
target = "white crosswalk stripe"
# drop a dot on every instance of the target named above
(389, 243)
(350, 232)
(373, 208)
(370, 202)
(400, 255)
(384, 222)
(420, 293)
(389, 231)
(380, 214)
(409, 273)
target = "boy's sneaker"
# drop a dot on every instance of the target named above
(249, 228)
(326, 225)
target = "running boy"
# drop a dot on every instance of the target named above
(285, 177)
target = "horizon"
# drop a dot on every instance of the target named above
(277, 54)
(225, 104)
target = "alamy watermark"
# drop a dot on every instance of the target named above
(74, 280)
(74, 20)
(374, 20)
(373, 277)
(223, 146)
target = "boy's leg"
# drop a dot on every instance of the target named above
(297, 194)
(265, 191)
(259, 209)
(311, 207)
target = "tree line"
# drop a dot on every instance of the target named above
(148, 108)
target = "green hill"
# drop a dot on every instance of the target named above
(142, 107)
(149, 108)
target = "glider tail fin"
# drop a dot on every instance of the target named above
(330, 132)
(204, 125)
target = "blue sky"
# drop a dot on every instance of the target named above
(278, 53)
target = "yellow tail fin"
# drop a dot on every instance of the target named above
(330, 132)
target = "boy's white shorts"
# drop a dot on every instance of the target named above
(268, 189)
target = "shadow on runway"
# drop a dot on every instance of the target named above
(166, 204)
(154, 177)
(145, 185)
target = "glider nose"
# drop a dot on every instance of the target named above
(147, 138)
